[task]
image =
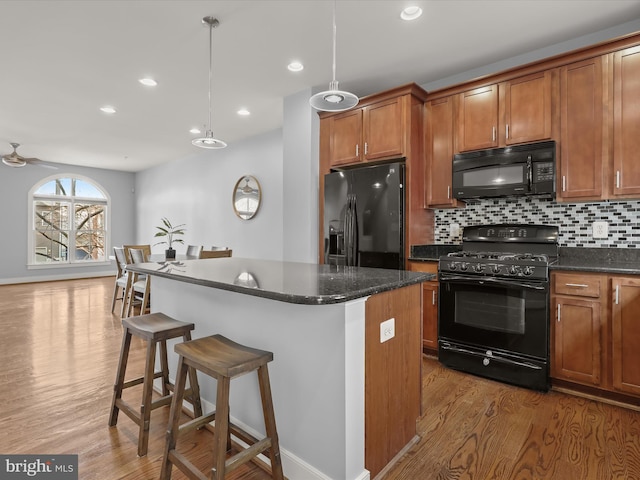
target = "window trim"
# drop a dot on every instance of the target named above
(72, 200)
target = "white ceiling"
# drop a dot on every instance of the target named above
(63, 59)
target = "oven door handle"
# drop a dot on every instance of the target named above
(490, 357)
(492, 281)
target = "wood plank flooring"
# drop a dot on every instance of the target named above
(59, 347)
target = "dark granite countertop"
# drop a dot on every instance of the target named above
(600, 260)
(431, 253)
(291, 282)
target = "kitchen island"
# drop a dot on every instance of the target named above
(346, 403)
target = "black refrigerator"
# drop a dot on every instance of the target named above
(364, 216)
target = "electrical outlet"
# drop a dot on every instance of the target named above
(387, 330)
(600, 229)
(454, 229)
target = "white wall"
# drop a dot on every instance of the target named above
(15, 184)
(197, 191)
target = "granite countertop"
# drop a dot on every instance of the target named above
(291, 282)
(599, 260)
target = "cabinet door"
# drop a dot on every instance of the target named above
(626, 121)
(527, 108)
(384, 127)
(345, 135)
(581, 130)
(478, 118)
(577, 340)
(439, 146)
(430, 315)
(625, 329)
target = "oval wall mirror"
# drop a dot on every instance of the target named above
(246, 197)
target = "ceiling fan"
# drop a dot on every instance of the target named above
(13, 159)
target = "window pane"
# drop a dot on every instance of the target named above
(89, 216)
(90, 245)
(51, 235)
(87, 190)
(59, 186)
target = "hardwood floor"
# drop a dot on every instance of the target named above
(59, 348)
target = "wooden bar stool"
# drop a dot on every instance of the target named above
(223, 360)
(154, 328)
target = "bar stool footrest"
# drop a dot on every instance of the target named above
(196, 423)
(247, 454)
(188, 468)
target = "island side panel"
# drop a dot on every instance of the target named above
(392, 375)
(318, 352)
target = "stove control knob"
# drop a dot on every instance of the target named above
(464, 266)
(453, 266)
(512, 270)
(496, 269)
(528, 270)
(479, 267)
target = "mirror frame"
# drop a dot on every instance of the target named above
(239, 194)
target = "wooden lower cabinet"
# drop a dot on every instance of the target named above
(429, 306)
(595, 332)
(625, 334)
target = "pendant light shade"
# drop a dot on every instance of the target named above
(208, 140)
(334, 99)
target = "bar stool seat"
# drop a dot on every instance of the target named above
(154, 328)
(222, 359)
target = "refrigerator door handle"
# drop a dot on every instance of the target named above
(348, 231)
(354, 231)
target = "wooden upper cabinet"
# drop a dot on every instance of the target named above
(439, 151)
(478, 119)
(625, 330)
(527, 109)
(516, 111)
(345, 136)
(626, 122)
(384, 129)
(582, 126)
(372, 132)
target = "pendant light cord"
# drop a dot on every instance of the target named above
(334, 41)
(210, 68)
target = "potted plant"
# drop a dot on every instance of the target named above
(169, 232)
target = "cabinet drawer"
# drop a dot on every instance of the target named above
(426, 267)
(578, 284)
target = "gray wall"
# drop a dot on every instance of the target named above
(15, 184)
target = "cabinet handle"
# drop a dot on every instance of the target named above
(357, 150)
(507, 130)
(433, 297)
(578, 285)
(617, 297)
(564, 183)
(558, 313)
(448, 192)
(617, 178)
(493, 134)
(366, 148)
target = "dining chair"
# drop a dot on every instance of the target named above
(139, 285)
(193, 251)
(120, 284)
(215, 253)
(127, 257)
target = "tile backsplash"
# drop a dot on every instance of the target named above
(574, 219)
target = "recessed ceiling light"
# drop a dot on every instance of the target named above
(195, 130)
(295, 67)
(244, 112)
(148, 82)
(411, 13)
(108, 109)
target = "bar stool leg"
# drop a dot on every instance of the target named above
(147, 392)
(118, 386)
(174, 419)
(164, 367)
(221, 428)
(270, 422)
(193, 384)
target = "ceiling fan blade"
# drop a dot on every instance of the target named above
(13, 161)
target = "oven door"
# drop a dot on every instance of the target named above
(509, 315)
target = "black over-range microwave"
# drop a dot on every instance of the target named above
(506, 172)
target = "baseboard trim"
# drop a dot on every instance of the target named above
(54, 278)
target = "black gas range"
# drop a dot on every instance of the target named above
(494, 303)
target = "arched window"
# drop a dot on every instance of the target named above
(69, 221)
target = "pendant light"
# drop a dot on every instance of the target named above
(208, 141)
(333, 100)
